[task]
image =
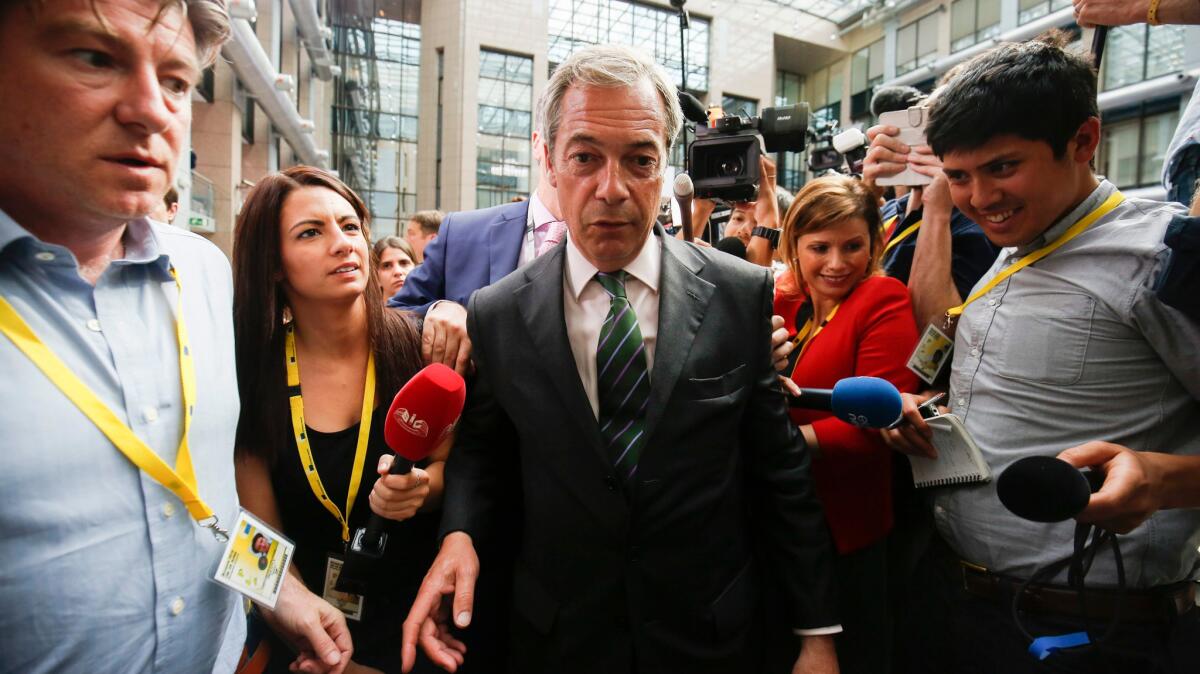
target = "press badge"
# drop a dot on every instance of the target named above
(931, 355)
(347, 603)
(256, 560)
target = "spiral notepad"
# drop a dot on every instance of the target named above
(959, 459)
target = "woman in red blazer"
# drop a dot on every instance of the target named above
(847, 321)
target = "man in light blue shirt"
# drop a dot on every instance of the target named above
(102, 569)
(1060, 343)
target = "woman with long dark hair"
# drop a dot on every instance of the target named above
(319, 360)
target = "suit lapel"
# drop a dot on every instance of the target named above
(682, 300)
(540, 302)
(504, 243)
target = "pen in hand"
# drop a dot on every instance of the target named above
(929, 404)
(921, 409)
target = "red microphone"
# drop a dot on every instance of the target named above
(420, 418)
(422, 414)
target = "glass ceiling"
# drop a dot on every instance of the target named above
(837, 11)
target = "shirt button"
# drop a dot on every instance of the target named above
(149, 415)
(93, 325)
(961, 402)
(45, 256)
(176, 606)
(991, 303)
(939, 511)
(168, 510)
(974, 352)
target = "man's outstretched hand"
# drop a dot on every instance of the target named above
(452, 575)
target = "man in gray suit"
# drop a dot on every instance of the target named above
(628, 377)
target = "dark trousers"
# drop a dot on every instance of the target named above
(864, 645)
(945, 629)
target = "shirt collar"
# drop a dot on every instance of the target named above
(10, 231)
(539, 215)
(1103, 191)
(645, 267)
(141, 243)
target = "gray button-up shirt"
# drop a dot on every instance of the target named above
(1070, 349)
(102, 569)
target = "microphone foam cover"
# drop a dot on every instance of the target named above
(849, 140)
(424, 412)
(866, 402)
(1043, 489)
(692, 108)
(733, 246)
(683, 186)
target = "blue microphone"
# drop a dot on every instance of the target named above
(866, 402)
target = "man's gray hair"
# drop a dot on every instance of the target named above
(607, 66)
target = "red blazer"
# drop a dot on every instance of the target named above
(872, 334)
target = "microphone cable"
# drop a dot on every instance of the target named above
(1078, 565)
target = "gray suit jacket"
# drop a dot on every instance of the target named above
(665, 574)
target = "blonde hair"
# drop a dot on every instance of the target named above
(821, 204)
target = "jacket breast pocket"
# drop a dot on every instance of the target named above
(704, 388)
(1047, 343)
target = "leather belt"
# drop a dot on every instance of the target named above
(1158, 605)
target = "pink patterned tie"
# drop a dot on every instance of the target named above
(558, 229)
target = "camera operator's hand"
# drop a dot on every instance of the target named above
(766, 209)
(887, 156)
(701, 211)
(766, 213)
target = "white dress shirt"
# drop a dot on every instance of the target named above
(585, 306)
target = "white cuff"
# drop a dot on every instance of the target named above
(818, 631)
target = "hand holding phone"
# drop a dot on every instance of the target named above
(911, 123)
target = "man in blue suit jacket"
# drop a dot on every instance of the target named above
(478, 248)
(473, 249)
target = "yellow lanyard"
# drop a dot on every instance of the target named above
(808, 333)
(1075, 230)
(299, 429)
(181, 480)
(902, 236)
(887, 226)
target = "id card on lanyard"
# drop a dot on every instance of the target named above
(349, 604)
(179, 480)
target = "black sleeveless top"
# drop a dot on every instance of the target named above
(316, 533)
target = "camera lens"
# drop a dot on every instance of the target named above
(731, 166)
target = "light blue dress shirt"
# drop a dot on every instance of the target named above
(1070, 349)
(101, 568)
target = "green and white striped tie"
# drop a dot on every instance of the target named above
(623, 380)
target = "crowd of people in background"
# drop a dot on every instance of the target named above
(636, 483)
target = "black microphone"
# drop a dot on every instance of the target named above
(1046, 489)
(693, 109)
(733, 246)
